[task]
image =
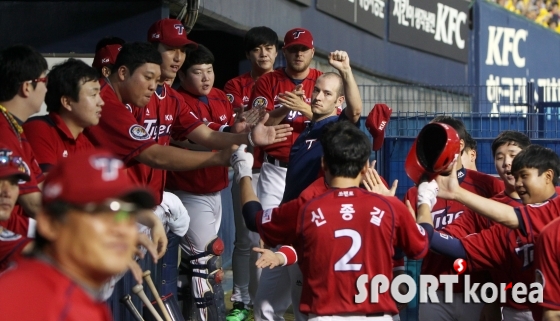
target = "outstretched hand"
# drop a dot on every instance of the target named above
(268, 258)
(449, 184)
(263, 135)
(373, 182)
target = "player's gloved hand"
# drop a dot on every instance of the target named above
(242, 163)
(427, 193)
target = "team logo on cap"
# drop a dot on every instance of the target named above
(260, 102)
(297, 33)
(155, 35)
(24, 168)
(109, 167)
(138, 132)
(180, 28)
(230, 98)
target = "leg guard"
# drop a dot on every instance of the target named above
(206, 274)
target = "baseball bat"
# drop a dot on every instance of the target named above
(138, 289)
(131, 308)
(148, 278)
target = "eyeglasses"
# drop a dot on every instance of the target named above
(118, 210)
(40, 79)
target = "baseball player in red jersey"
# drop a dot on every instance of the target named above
(547, 270)
(23, 85)
(74, 102)
(199, 190)
(443, 213)
(86, 233)
(11, 172)
(536, 173)
(334, 218)
(298, 50)
(261, 49)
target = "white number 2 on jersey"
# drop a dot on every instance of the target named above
(342, 264)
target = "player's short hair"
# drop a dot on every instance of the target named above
(19, 63)
(56, 210)
(470, 143)
(199, 56)
(340, 89)
(539, 157)
(134, 55)
(259, 36)
(66, 79)
(109, 41)
(457, 124)
(346, 149)
(510, 137)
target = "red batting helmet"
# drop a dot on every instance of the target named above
(435, 148)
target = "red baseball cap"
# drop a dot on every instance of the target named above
(376, 123)
(298, 36)
(92, 177)
(106, 56)
(170, 32)
(12, 165)
(434, 150)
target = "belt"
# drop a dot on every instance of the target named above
(274, 161)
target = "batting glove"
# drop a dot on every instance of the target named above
(427, 193)
(242, 163)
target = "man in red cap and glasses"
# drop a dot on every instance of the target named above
(86, 233)
(11, 173)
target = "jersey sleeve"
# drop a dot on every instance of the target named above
(467, 223)
(547, 267)
(262, 97)
(186, 121)
(410, 237)
(41, 141)
(487, 249)
(278, 225)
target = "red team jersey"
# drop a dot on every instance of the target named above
(51, 140)
(11, 245)
(513, 248)
(219, 113)
(52, 297)
(335, 235)
(446, 211)
(238, 90)
(265, 95)
(18, 221)
(547, 265)
(127, 131)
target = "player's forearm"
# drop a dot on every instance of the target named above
(551, 315)
(498, 212)
(424, 215)
(176, 159)
(275, 116)
(352, 94)
(31, 203)
(212, 139)
(246, 190)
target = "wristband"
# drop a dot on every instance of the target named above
(289, 253)
(250, 139)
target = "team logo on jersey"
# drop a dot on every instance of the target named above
(421, 229)
(7, 235)
(260, 102)
(267, 214)
(138, 132)
(230, 98)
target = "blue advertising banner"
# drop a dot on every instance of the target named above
(510, 51)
